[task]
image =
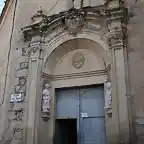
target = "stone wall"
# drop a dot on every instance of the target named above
(136, 68)
(5, 45)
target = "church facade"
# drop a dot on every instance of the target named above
(71, 72)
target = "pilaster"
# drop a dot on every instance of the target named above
(116, 23)
(33, 92)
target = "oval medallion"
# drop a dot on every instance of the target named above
(78, 60)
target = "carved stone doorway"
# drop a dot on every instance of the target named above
(75, 62)
(66, 60)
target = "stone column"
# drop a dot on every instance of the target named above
(116, 37)
(33, 92)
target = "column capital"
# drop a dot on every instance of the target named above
(116, 23)
(115, 39)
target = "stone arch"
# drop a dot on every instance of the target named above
(57, 47)
(56, 30)
(93, 52)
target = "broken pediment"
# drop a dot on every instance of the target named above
(71, 20)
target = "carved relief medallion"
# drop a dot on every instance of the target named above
(78, 60)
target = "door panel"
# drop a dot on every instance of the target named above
(73, 103)
(67, 103)
(93, 125)
(93, 131)
(92, 101)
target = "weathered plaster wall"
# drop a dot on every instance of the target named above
(136, 66)
(5, 34)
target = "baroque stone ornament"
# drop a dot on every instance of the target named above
(19, 115)
(78, 60)
(36, 50)
(24, 65)
(25, 51)
(71, 20)
(74, 20)
(18, 134)
(21, 87)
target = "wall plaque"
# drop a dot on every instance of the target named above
(16, 98)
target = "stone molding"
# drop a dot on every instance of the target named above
(74, 20)
(71, 20)
(76, 75)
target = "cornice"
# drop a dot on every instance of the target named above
(70, 20)
(76, 75)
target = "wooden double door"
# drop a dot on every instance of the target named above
(85, 107)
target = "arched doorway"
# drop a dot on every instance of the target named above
(77, 66)
(53, 57)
